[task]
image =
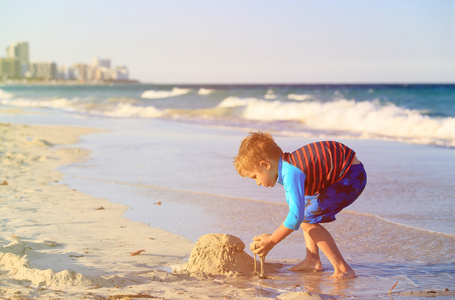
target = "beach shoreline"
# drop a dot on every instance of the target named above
(58, 242)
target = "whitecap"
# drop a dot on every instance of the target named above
(203, 91)
(153, 94)
(236, 101)
(270, 95)
(366, 119)
(300, 97)
(5, 95)
(126, 110)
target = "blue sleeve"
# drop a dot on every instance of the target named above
(294, 186)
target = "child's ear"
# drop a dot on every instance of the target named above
(264, 163)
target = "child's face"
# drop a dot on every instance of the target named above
(265, 175)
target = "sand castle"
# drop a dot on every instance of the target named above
(220, 254)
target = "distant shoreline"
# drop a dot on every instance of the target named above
(216, 85)
(65, 82)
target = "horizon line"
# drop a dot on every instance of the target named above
(137, 81)
(298, 83)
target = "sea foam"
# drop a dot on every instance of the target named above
(152, 94)
(203, 91)
(372, 119)
(367, 119)
(5, 95)
(300, 97)
(126, 110)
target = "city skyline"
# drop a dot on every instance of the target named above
(17, 66)
(249, 41)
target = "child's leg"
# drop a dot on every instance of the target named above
(323, 208)
(312, 260)
(324, 241)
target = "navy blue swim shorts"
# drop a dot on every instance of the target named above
(323, 207)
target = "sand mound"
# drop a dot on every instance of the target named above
(37, 142)
(218, 254)
(13, 261)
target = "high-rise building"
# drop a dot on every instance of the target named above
(10, 68)
(19, 51)
(65, 73)
(43, 70)
(98, 62)
(82, 72)
(121, 73)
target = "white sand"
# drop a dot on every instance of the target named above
(60, 243)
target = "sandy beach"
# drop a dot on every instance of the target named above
(59, 243)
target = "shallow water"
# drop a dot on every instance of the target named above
(407, 184)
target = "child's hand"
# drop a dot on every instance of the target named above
(265, 244)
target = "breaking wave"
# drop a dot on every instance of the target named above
(366, 119)
(5, 95)
(203, 91)
(152, 94)
(356, 119)
(300, 97)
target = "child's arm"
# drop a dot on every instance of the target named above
(294, 187)
(266, 243)
(294, 184)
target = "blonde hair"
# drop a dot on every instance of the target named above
(257, 146)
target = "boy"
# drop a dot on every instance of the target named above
(320, 179)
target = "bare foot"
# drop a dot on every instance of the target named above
(340, 275)
(308, 265)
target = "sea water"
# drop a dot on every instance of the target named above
(175, 144)
(411, 113)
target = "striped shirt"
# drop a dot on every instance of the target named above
(323, 163)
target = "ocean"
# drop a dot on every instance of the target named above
(175, 144)
(422, 114)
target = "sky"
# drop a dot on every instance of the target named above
(243, 41)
